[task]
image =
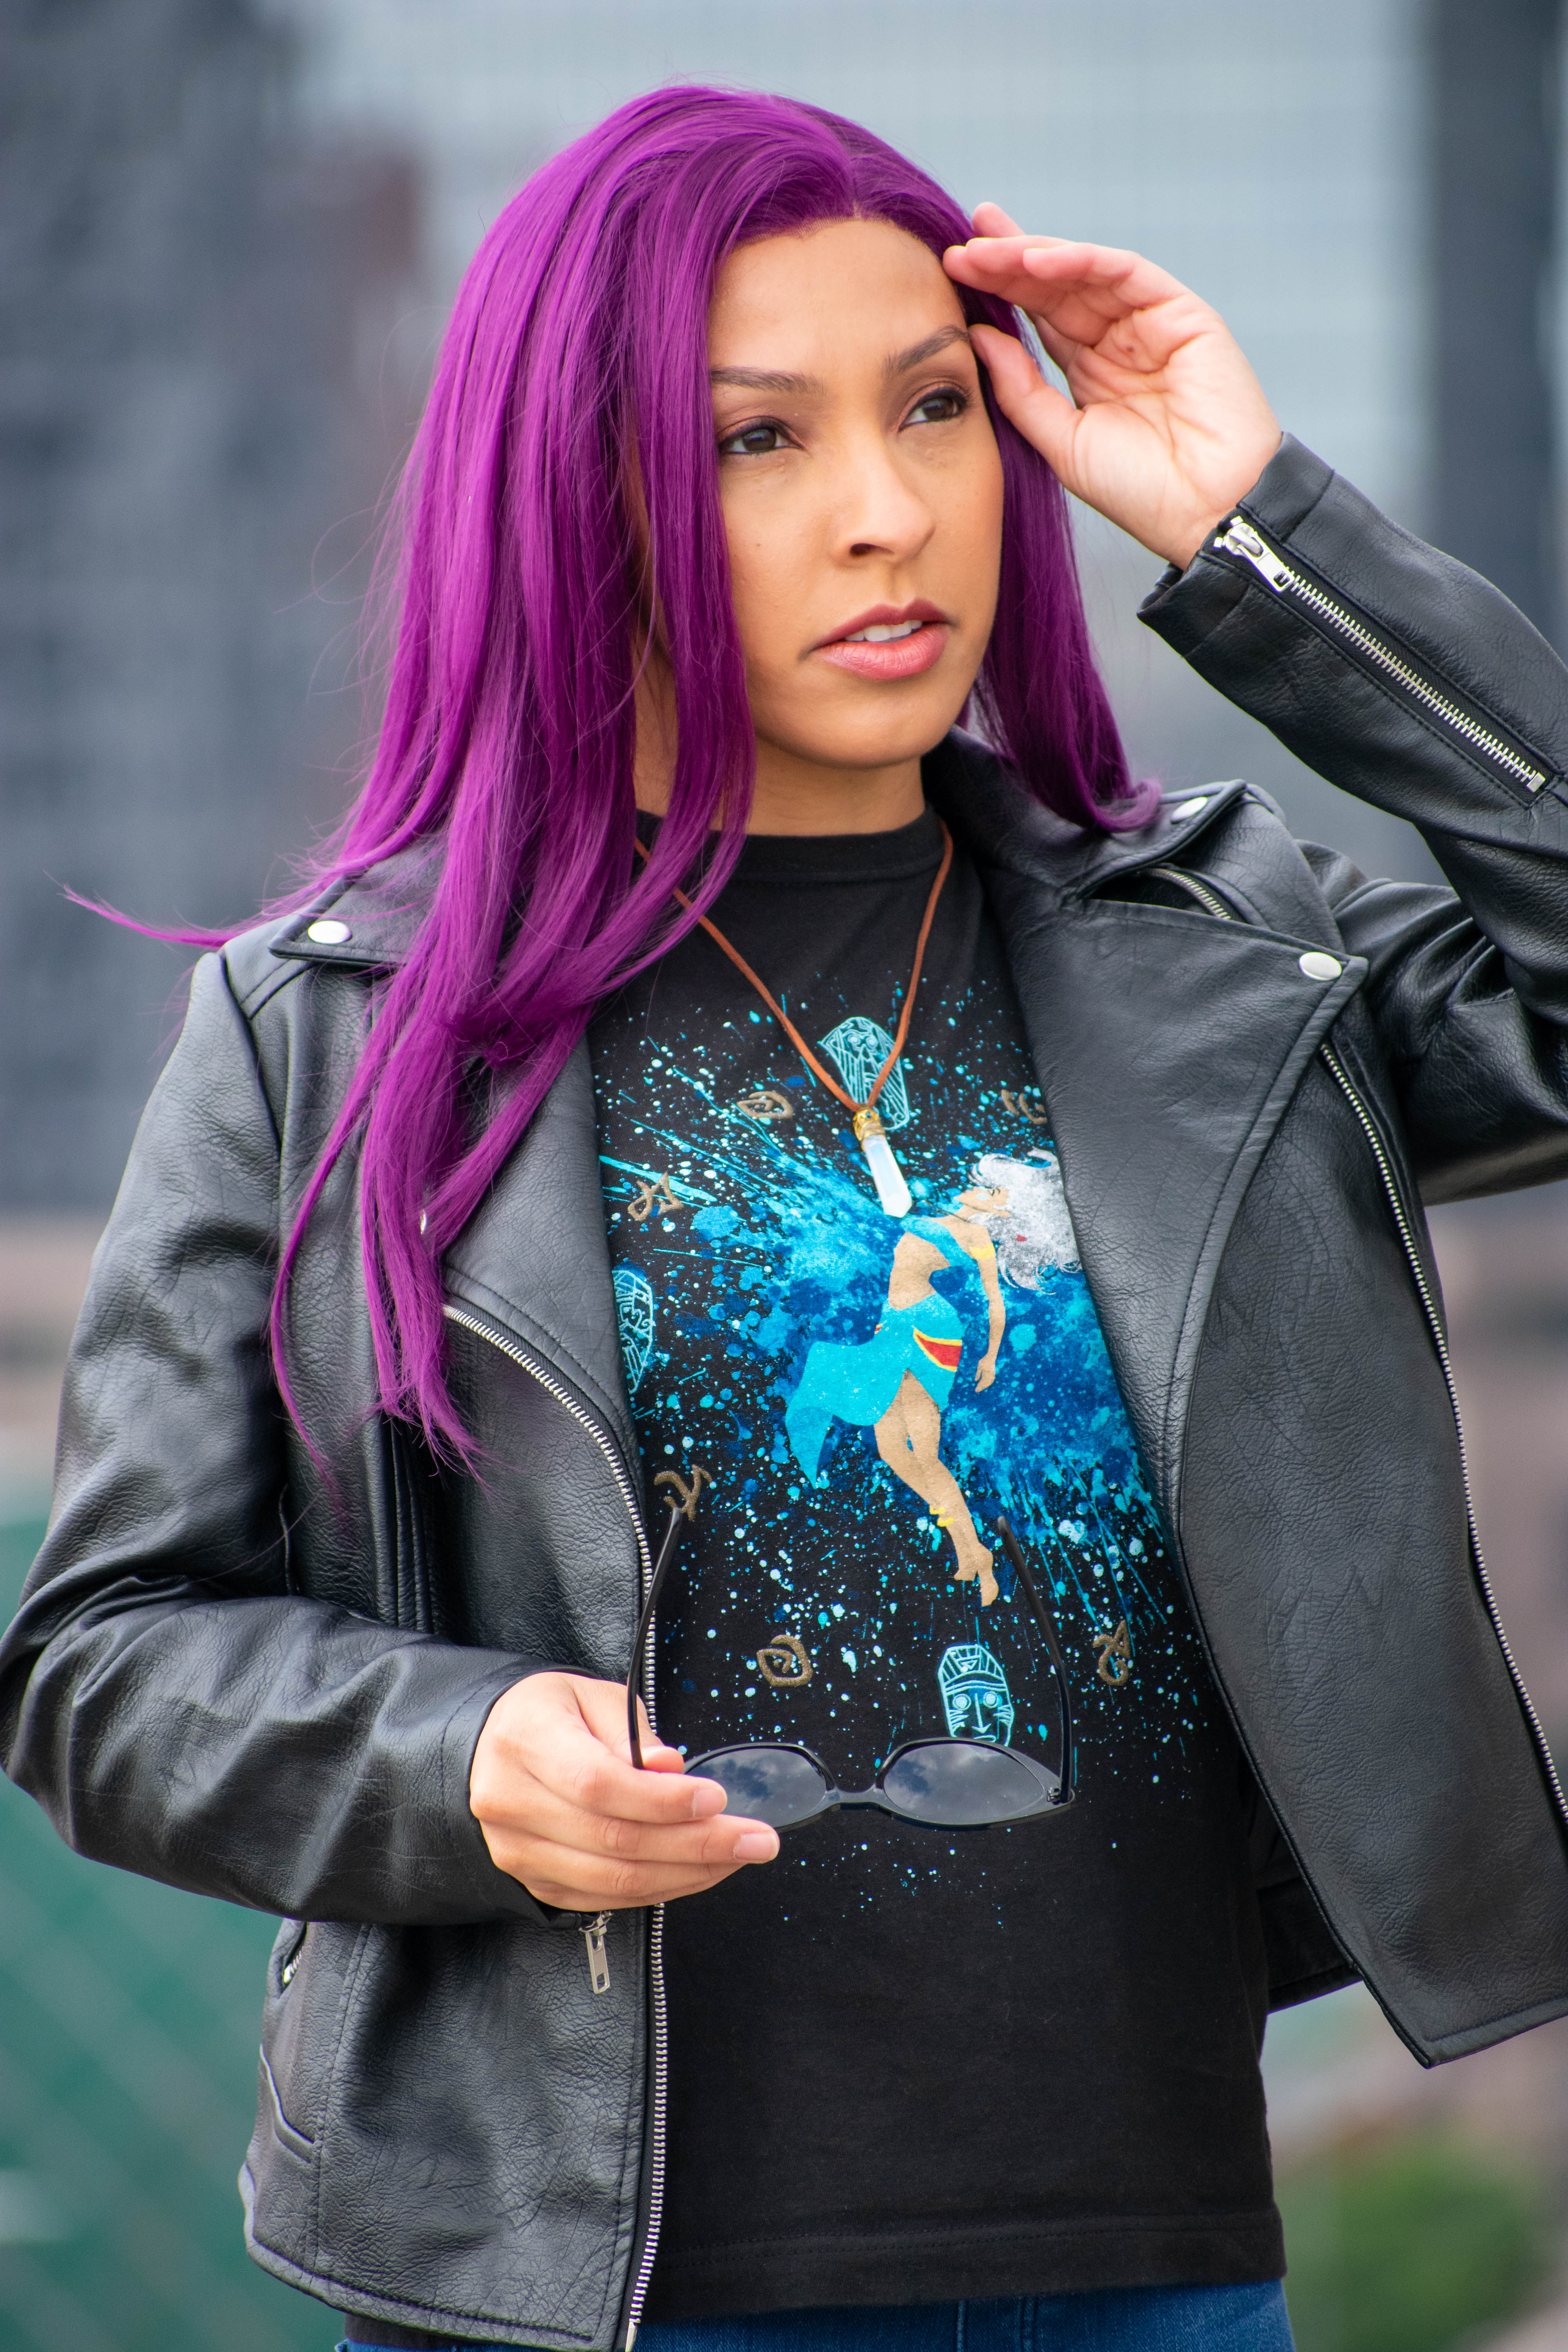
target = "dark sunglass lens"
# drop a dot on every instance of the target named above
(961, 1783)
(777, 1785)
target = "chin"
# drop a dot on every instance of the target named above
(894, 731)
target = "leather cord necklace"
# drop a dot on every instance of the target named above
(869, 1133)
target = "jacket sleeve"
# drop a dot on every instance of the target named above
(1441, 704)
(171, 1705)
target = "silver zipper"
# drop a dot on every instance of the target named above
(584, 1420)
(530, 1363)
(1207, 899)
(1241, 538)
(656, 2151)
(1211, 899)
(594, 1935)
(1440, 1341)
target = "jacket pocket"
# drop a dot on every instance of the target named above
(271, 2104)
(309, 1984)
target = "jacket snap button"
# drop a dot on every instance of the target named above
(327, 934)
(1318, 966)
(1191, 808)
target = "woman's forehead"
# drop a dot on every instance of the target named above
(800, 305)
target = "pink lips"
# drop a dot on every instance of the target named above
(903, 656)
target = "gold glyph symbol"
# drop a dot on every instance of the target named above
(784, 1662)
(767, 1105)
(1114, 1664)
(1021, 1107)
(655, 1189)
(688, 1494)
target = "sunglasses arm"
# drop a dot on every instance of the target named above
(674, 1528)
(1015, 1551)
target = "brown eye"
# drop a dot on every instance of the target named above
(938, 407)
(759, 440)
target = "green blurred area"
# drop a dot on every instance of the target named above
(128, 2031)
(1414, 2243)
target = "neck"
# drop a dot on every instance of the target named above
(792, 794)
(797, 796)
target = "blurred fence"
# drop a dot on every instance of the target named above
(128, 2016)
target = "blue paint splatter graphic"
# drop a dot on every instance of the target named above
(868, 1395)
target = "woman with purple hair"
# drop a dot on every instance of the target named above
(746, 857)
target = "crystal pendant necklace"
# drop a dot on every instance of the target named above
(869, 1133)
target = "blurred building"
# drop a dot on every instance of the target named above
(227, 229)
(196, 421)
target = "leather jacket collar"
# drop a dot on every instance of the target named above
(369, 922)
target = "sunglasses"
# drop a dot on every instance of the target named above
(949, 1784)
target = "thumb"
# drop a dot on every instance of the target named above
(603, 1709)
(1046, 418)
(656, 1755)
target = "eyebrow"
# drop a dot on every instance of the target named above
(902, 362)
(742, 379)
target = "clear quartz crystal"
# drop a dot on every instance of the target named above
(885, 1173)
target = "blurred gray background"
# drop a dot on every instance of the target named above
(228, 231)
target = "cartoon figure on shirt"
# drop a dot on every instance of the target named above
(897, 1382)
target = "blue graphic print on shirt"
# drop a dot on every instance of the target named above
(866, 1395)
(916, 2055)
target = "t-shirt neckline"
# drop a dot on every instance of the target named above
(812, 857)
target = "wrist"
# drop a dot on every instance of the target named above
(1197, 529)
(1189, 544)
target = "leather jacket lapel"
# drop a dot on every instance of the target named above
(536, 1258)
(1168, 1046)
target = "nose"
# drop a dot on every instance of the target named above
(878, 511)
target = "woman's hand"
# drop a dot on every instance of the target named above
(566, 1814)
(1167, 427)
(986, 1370)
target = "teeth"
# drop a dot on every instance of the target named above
(881, 634)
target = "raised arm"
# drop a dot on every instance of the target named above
(1166, 424)
(1384, 664)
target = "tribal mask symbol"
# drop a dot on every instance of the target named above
(861, 1047)
(975, 1698)
(635, 1318)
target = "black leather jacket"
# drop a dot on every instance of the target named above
(262, 1675)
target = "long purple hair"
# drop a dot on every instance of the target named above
(506, 749)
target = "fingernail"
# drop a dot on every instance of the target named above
(756, 1846)
(706, 1799)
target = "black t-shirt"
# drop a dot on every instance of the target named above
(910, 2065)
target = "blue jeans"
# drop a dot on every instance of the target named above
(1115, 2319)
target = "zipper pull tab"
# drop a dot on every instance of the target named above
(1238, 538)
(598, 1958)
